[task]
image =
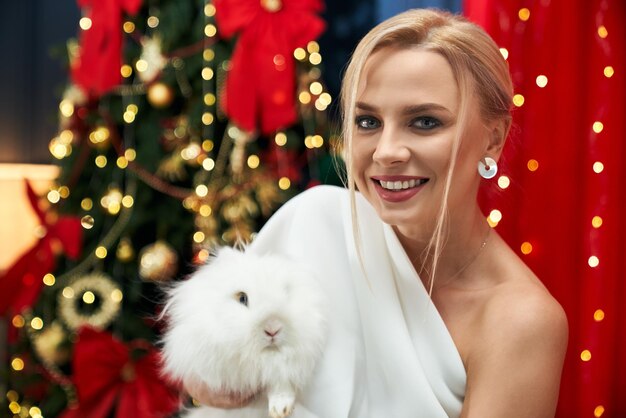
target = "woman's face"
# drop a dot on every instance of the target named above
(406, 120)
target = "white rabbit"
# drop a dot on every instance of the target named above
(246, 323)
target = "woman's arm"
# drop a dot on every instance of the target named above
(514, 370)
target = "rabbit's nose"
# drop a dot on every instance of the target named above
(271, 332)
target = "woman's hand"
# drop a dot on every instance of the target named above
(224, 400)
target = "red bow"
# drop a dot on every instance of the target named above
(97, 68)
(21, 284)
(260, 87)
(107, 377)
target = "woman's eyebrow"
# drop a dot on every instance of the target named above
(407, 110)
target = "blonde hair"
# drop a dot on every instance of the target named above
(478, 67)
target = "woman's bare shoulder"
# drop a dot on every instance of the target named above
(522, 340)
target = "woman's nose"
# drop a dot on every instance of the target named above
(390, 149)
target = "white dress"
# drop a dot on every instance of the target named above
(389, 353)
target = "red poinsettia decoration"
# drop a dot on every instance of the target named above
(108, 378)
(260, 86)
(97, 67)
(21, 284)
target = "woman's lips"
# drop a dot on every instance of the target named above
(398, 188)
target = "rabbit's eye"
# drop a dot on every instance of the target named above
(243, 298)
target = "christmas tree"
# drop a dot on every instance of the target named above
(185, 125)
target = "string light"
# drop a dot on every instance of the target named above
(598, 127)
(280, 138)
(89, 297)
(518, 100)
(598, 167)
(210, 30)
(208, 164)
(18, 321)
(304, 97)
(198, 237)
(542, 81)
(17, 364)
(49, 279)
(129, 27)
(602, 32)
(85, 23)
(299, 54)
(36, 323)
(505, 53)
(608, 71)
(526, 248)
(596, 222)
(130, 154)
(87, 222)
(86, 204)
(315, 58)
(153, 22)
(585, 355)
(202, 190)
(253, 161)
(598, 411)
(593, 261)
(524, 14)
(598, 315)
(533, 165)
(284, 183)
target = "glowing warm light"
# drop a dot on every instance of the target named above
(504, 182)
(585, 355)
(207, 73)
(210, 30)
(153, 21)
(85, 23)
(598, 411)
(126, 70)
(86, 203)
(101, 161)
(129, 27)
(598, 167)
(608, 71)
(316, 88)
(280, 139)
(313, 47)
(198, 237)
(128, 201)
(505, 53)
(130, 154)
(533, 165)
(209, 10)
(68, 292)
(518, 100)
(593, 261)
(208, 55)
(36, 323)
(49, 279)
(208, 164)
(598, 127)
(18, 321)
(129, 117)
(542, 81)
(253, 161)
(101, 252)
(209, 99)
(315, 58)
(207, 118)
(284, 183)
(495, 215)
(141, 65)
(89, 297)
(122, 162)
(596, 222)
(205, 210)
(202, 190)
(299, 54)
(35, 412)
(602, 32)
(308, 142)
(17, 364)
(523, 14)
(67, 108)
(304, 97)
(526, 248)
(325, 98)
(117, 295)
(598, 315)
(320, 105)
(54, 196)
(317, 141)
(87, 222)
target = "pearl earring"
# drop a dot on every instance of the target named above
(487, 168)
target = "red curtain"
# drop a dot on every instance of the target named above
(564, 208)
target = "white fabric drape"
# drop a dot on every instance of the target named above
(389, 353)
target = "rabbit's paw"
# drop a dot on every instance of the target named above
(281, 405)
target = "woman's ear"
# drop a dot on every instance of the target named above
(498, 132)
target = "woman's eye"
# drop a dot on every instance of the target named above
(367, 122)
(426, 122)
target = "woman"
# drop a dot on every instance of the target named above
(434, 315)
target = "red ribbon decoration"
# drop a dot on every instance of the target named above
(107, 378)
(260, 86)
(97, 68)
(21, 284)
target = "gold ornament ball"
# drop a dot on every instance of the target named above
(158, 262)
(48, 344)
(160, 95)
